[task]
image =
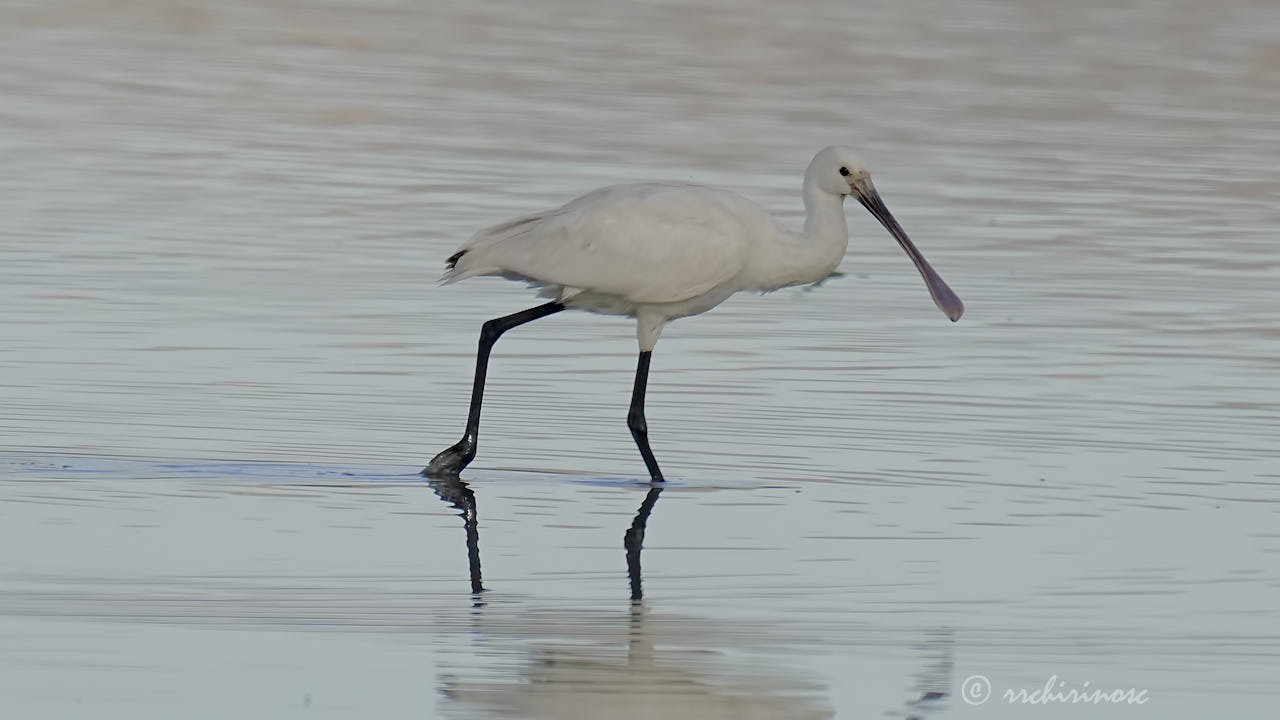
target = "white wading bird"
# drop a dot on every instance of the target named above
(661, 251)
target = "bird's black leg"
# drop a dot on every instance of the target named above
(457, 457)
(635, 418)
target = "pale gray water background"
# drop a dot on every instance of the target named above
(223, 355)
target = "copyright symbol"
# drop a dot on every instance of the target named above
(976, 689)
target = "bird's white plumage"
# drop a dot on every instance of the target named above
(643, 244)
(659, 251)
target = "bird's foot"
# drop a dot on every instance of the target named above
(452, 461)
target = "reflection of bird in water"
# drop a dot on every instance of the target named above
(596, 680)
(585, 681)
(586, 675)
(459, 495)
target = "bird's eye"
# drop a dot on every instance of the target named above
(844, 171)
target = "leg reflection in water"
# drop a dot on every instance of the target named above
(459, 495)
(633, 541)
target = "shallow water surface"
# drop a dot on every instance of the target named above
(223, 356)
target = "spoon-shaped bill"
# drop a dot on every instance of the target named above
(946, 300)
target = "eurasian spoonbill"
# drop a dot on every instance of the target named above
(661, 251)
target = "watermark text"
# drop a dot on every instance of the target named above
(976, 690)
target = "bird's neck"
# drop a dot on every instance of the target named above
(826, 235)
(789, 258)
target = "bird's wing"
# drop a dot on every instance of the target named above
(643, 243)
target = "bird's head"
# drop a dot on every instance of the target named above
(836, 170)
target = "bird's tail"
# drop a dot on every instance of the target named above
(462, 264)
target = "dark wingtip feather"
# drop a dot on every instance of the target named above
(453, 259)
